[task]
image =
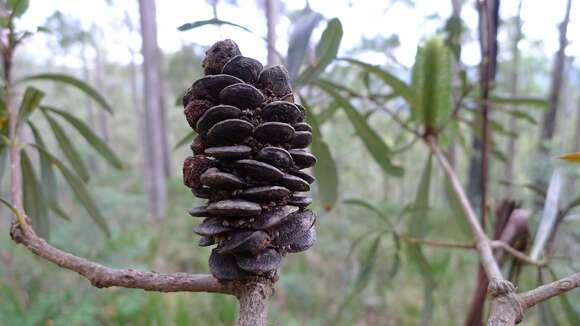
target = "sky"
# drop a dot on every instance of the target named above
(360, 18)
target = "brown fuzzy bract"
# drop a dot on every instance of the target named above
(217, 56)
(194, 110)
(193, 167)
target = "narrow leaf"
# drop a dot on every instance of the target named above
(539, 103)
(185, 140)
(299, 40)
(72, 81)
(326, 50)
(100, 146)
(213, 21)
(78, 188)
(367, 265)
(68, 148)
(30, 101)
(9, 205)
(325, 170)
(399, 87)
(34, 203)
(571, 157)
(373, 142)
(418, 226)
(48, 179)
(368, 206)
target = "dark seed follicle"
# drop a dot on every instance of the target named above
(247, 162)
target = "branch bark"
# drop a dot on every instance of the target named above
(103, 277)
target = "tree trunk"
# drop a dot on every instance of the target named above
(513, 82)
(271, 21)
(153, 118)
(133, 84)
(549, 120)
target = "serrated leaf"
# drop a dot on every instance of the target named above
(100, 146)
(72, 81)
(398, 86)
(571, 157)
(33, 200)
(48, 179)
(30, 101)
(325, 170)
(17, 7)
(213, 21)
(432, 84)
(185, 140)
(539, 103)
(373, 142)
(299, 40)
(326, 51)
(68, 148)
(78, 188)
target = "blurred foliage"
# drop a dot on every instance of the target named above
(361, 271)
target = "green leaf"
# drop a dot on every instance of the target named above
(326, 51)
(30, 101)
(417, 227)
(325, 170)
(72, 81)
(9, 205)
(539, 103)
(432, 84)
(373, 142)
(213, 21)
(367, 265)
(100, 146)
(68, 148)
(328, 113)
(33, 200)
(78, 188)
(523, 116)
(48, 179)
(399, 87)
(185, 140)
(299, 39)
(17, 7)
(366, 205)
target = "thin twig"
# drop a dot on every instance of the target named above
(517, 254)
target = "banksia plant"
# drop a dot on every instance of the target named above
(248, 161)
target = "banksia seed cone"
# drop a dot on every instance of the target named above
(247, 163)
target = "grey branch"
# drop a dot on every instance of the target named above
(102, 277)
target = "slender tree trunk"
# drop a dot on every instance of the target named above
(549, 120)
(253, 299)
(154, 156)
(513, 82)
(133, 84)
(488, 26)
(271, 21)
